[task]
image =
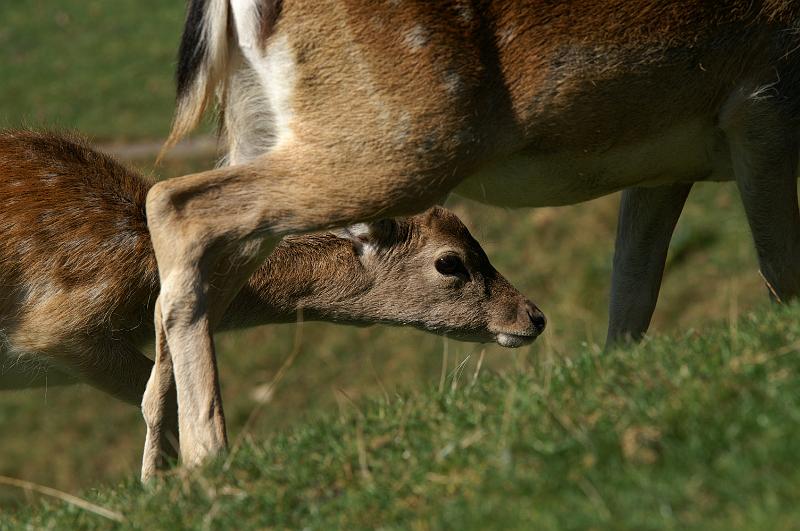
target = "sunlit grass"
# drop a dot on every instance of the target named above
(693, 430)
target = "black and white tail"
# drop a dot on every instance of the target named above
(202, 62)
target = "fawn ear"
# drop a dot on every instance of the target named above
(370, 237)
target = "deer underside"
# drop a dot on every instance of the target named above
(690, 150)
(687, 152)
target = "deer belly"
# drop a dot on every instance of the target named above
(686, 153)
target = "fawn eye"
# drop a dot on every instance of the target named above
(450, 265)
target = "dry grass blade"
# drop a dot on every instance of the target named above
(361, 448)
(63, 496)
(770, 287)
(457, 373)
(478, 367)
(350, 401)
(443, 374)
(269, 389)
(595, 497)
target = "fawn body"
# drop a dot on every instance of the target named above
(79, 283)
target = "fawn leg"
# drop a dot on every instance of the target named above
(160, 410)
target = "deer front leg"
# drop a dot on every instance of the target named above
(211, 230)
(160, 409)
(647, 218)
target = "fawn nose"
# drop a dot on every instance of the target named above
(538, 320)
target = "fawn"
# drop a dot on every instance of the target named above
(78, 276)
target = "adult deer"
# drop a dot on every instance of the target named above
(340, 111)
(78, 278)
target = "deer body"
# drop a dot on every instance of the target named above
(337, 111)
(685, 153)
(79, 283)
(633, 95)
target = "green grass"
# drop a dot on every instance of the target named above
(698, 430)
(102, 67)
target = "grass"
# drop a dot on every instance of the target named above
(102, 67)
(695, 430)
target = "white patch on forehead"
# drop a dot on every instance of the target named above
(361, 235)
(416, 38)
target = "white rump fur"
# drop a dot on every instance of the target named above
(362, 236)
(257, 98)
(257, 106)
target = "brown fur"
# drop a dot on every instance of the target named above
(539, 69)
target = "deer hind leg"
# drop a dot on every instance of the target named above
(764, 146)
(647, 218)
(211, 230)
(160, 411)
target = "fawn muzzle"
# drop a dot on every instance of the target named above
(530, 323)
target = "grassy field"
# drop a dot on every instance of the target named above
(102, 67)
(696, 430)
(105, 68)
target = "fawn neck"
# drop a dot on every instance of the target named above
(317, 271)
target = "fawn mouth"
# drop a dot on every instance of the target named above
(508, 340)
